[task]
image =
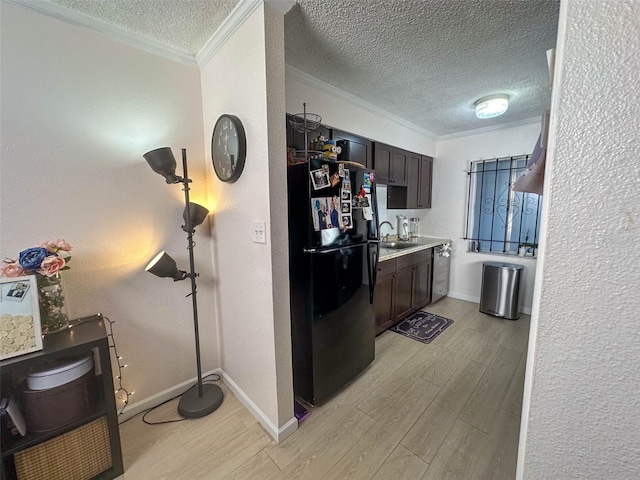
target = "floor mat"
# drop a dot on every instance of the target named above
(422, 326)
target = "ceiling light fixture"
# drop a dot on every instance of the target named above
(492, 106)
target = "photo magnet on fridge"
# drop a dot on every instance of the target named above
(367, 182)
(347, 222)
(367, 213)
(341, 170)
(320, 178)
(335, 179)
(320, 213)
(334, 215)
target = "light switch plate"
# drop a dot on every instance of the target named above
(259, 232)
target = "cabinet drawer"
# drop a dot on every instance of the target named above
(386, 267)
(413, 258)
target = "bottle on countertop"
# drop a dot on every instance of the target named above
(414, 227)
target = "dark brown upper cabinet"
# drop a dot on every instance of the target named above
(398, 175)
(419, 172)
(382, 158)
(426, 182)
(390, 164)
(358, 149)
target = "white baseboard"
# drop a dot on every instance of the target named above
(278, 434)
(462, 296)
(469, 298)
(155, 400)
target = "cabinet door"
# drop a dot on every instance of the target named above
(426, 179)
(382, 158)
(404, 290)
(413, 180)
(398, 168)
(421, 284)
(358, 150)
(384, 302)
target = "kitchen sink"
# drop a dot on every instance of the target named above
(397, 245)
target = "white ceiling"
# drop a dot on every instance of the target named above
(425, 61)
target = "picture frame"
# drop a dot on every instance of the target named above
(20, 325)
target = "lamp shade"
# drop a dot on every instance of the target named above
(198, 214)
(163, 266)
(162, 161)
(492, 106)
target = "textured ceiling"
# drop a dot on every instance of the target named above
(428, 61)
(425, 61)
(185, 25)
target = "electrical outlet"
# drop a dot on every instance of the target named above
(259, 232)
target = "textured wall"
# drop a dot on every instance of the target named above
(78, 112)
(448, 215)
(234, 81)
(582, 419)
(274, 46)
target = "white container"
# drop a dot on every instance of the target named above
(59, 371)
(403, 227)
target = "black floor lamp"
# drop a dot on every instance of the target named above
(201, 399)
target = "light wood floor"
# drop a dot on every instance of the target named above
(450, 409)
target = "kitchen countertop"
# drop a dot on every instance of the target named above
(421, 244)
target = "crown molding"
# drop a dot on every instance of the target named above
(282, 5)
(492, 128)
(307, 79)
(115, 33)
(236, 18)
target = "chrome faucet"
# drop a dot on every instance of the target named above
(386, 237)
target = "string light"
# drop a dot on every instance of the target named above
(121, 365)
(112, 344)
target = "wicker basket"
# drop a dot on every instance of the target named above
(79, 454)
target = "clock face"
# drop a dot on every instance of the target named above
(228, 148)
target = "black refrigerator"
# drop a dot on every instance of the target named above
(333, 256)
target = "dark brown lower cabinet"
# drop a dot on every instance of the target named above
(403, 286)
(421, 284)
(385, 296)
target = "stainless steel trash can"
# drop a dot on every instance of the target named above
(500, 289)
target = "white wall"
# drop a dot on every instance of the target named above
(343, 114)
(78, 112)
(447, 216)
(581, 412)
(253, 310)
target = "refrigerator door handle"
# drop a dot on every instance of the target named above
(335, 249)
(373, 271)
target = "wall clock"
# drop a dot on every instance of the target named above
(228, 148)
